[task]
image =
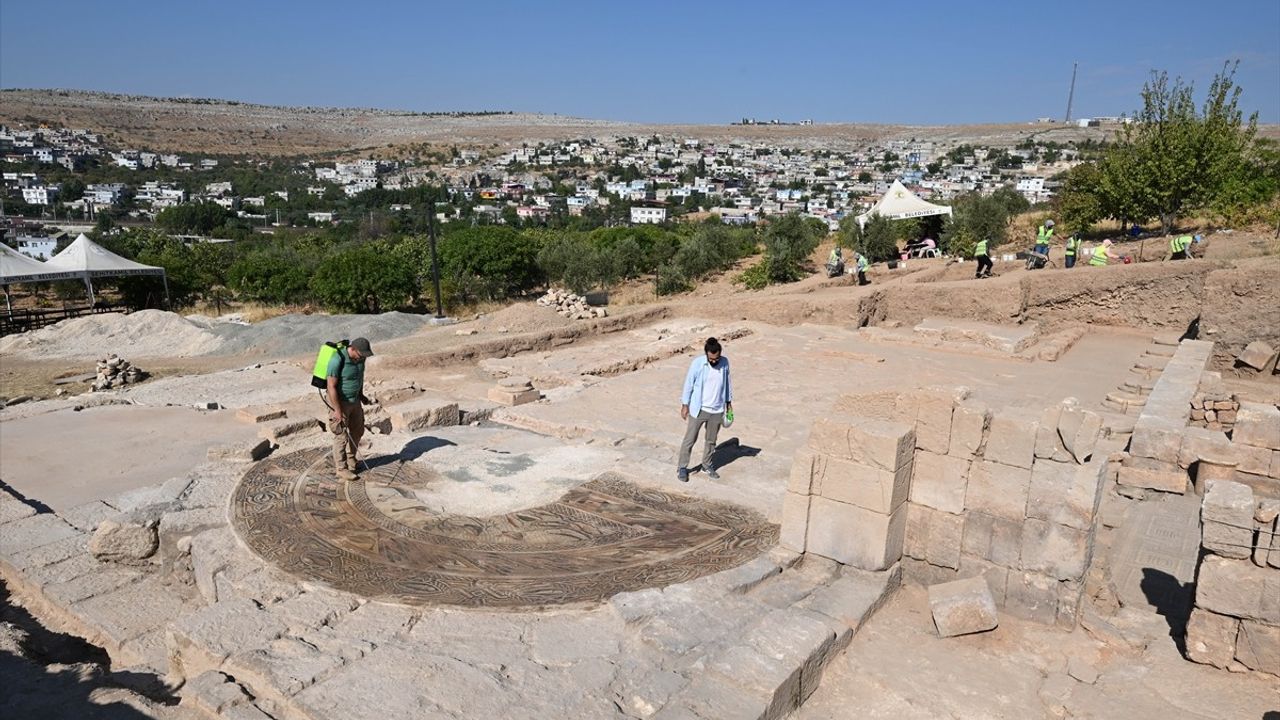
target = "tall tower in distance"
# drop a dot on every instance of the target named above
(1072, 94)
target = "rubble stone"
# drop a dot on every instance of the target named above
(1211, 638)
(1257, 355)
(1257, 424)
(424, 412)
(123, 539)
(939, 481)
(962, 607)
(1226, 516)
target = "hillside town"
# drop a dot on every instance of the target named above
(60, 174)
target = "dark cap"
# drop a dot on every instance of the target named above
(362, 344)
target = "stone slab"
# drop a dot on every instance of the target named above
(275, 431)
(877, 443)
(863, 485)
(795, 521)
(33, 531)
(1258, 646)
(855, 536)
(998, 489)
(1011, 440)
(1211, 638)
(939, 481)
(1226, 518)
(1257, 424)
(87, 516)
(962, 607)
(260, 415)
(203, 640)
(1065, 493)
(1156, 475)
(423, 412)
(1239, 588)
(1032, 596)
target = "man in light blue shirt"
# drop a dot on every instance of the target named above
(707, 394)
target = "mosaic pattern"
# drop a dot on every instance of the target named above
(377, 539)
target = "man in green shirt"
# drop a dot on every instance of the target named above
(345, 386)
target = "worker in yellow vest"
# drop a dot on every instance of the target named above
(1180, 247)
(860, 266)
(1073, 247)
(982, 255)
(1044, 234)
(1102, 254)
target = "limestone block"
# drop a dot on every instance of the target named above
(30, 561)
(1048, 443)
(211, 553)
(1274, 472)
(511, 398)
(1211, 638)
(32, 532)
(862, 485)
(1239, 588)
(933, 421)
(1056, 550)
(87, 516)
(934, 536)
(1203, 444)
(1079, 431)
(939, 481)
(11, 508)
(392, 392)
(1226, 517)
(1064, 493)
(1032, 596)
(855, 536)
(994, 539)
(282, 668)
(1258, 646)
(1011, 440)
(1257, 355)
(424, 412)
(278, 429)
(260, 415)
(795, 521)
(1070, 596)
(1155, 475)
(212, 692)
(203, 640)
(996, 576)
(1257, 424)
(968, 423)
(802, 466)
(852, 598)
(998, 489)
(248, 451)
(876, 443)
(1252, 459)
(801, 641)
(122, 539)
(1157, 439)
(962, 607)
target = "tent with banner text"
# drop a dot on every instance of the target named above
(899, 203)
(86, 260)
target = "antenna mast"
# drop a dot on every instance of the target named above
(1071, 95)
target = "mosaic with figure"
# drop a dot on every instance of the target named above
(376, 538)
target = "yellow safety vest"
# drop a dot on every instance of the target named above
(980, 248)
(1180, 243)
(1044, 235)
(1073, 243)
(1099, 256)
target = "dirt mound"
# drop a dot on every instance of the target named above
(147, 333)
(300, 334)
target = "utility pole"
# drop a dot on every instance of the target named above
(1071, 96)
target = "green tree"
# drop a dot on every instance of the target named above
(490, 262)
(366, 278)
(193, 218)
(976, 217)
(787, 244)
(877, 239)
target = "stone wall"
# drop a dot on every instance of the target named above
(1235, 623)
(958, 491)
(1157, 434)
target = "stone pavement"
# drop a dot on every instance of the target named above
(1153, 558)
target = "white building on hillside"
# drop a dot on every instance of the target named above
(648, 215)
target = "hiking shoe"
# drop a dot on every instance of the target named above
(353, 464)
(682, 474)
(347, 475)
(711, 473)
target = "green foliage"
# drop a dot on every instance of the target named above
(976, 217)
(1079, 201)
(490, 262)
(272, 275)
(364, 278)
(193, 218)
(787, 244)
(755, 277)
(877, 240)
(571, 260)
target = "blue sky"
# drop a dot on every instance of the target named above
(699, 62)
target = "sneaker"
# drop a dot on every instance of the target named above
(711, 473)
(353, 464)
(682, 474)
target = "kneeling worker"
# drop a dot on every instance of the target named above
(1180, 247)
(345, 376)
(860, 266)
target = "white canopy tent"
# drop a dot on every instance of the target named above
(18, 268)
(899, 203)
(85, 259)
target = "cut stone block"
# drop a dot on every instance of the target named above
(1257, 424)
(994, 539)
(213, 693)
(939, 481)
(867, 487)
(424, 412)
(968, 423)
(1064, 493)
(124, 540)
(877, 443)
(11, 508)
(1226, 516)
(1048, 443)
(1070, 595)
(1258, 646)
(1203, 444)
(1079, 431)
(281, 669)
(1055, 550)
(1157, 438)
(32, 532)
(1211, 638)
(934, 536)
(933, 421)
(996, 576)
(998, 489)
(1032, 596)
(1011, 440)
(855, 536)
(795, 521)
(1257, 355)
(260, 415)
(274, 431)
(87, 516)
(962, 607)
(511, 397)
(203, 640)
(1251, 459)
(1165, 477)
(1239, 588)
(802, 470)
(249, 451)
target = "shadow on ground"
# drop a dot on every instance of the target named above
(412, 450)
(1171, 599)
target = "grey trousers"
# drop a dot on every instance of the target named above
(712, 421)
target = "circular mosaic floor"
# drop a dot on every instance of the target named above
(378, 539)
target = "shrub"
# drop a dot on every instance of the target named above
(490, 262)
(364, 278)
(788, 243)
